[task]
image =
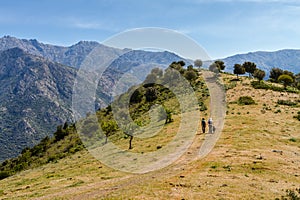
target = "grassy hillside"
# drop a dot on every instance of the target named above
(256, 157)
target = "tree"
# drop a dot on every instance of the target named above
(108, 127)
(198, 63)
(297, 81)
(238, 69)
(151, 94)
(150, 79)
(259, 74)
(190, 67)
(169, 116)
(275, 73)
(291, 74)
(285, 79)
(177, 65)
(213, 67)
(60, 133)
(137, 96)
(190, 75)
(170, 77)
(181, 62)
(250, 67)
(220, 65)
(129, 131)
(158, 72)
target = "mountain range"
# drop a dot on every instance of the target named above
(287, 59)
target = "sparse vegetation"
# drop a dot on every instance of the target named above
(291, 195)
(64, 143)
(297, 116)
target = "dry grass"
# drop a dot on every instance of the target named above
(257, 157)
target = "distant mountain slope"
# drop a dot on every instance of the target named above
(34, 97)
(135, 65)
(70, 56)
(284, 59)
(36, 92)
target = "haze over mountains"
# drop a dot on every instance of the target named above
(36, 82)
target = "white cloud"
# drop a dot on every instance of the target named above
(90, 24)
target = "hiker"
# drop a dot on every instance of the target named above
(210, 126)
(203, 124)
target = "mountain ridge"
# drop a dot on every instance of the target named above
(28, 81)
(287, 59)
(32, 98)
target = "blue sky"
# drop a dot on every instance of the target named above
(221, 27)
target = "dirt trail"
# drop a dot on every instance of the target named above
(200, 147)
(217, 111)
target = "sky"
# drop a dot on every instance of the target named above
(222, 27)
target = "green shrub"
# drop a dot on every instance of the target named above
(246, 100)
(60, 133)
(169, 116)
(265, 86)
(297, 116)
(4, 175)
(277, 111)
(291, 195)
(203, 107)
(293, 140)
(286, 103)
(230, 86)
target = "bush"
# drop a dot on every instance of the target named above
(203, 107)
(285, 80)
(246, 100)
(265, 86)
(297, 116)
(291, 195)
(136, 96)
(168, 116)
(151, 94)
(190, 75)
(4, 175)
(230, 86)
(286, 103)
(60, 133)
(277, 111)
(293, 140)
